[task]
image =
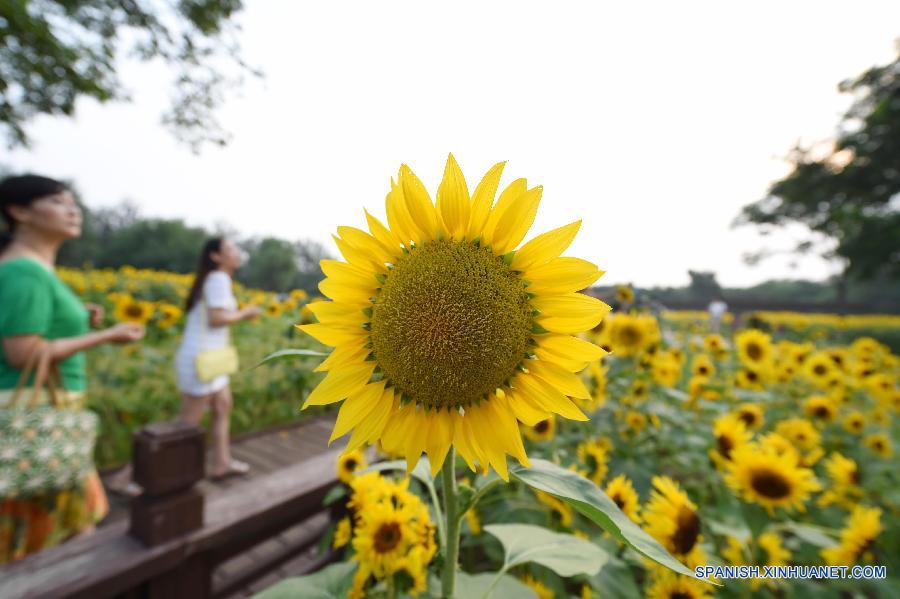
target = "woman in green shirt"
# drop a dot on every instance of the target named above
(36, 308)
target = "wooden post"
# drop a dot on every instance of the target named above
(169, 459)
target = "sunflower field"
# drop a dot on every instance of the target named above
(134, 385)
(647, 447)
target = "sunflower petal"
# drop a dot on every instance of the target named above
(358, 406)
(545, 247)
(337, 312)
(548, 397)
(570, 352)
(453, 200)
(341, 292)
(343, 355)
(371, 428)
(439, 440)
(559, 378)
(513, 225)
(525, 410)
(512, 191)
(399, 220)
(338, 384)
(569, 313)
(483, 198)
(562, 275)
(333, 335)
(348, 274)
(385, 236)
(419, 204)
(371, 248)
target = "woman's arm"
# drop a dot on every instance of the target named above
(220, 317)
(16, 349)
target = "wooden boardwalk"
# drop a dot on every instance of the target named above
(266, 452)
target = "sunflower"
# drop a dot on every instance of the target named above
(730, 433)
(754, 349)
(624, 294)
(665, 584)
(821, 408)
(542, 430)
(274, 308)
(129, 309)
(622, 492)
(540, 589)
(593, 455)
(671, 518)
(800, 432)
(384, 537)
(666, 369)
(348, 463)
(716, 345)
(635, 421)
(630, 334)
(342, 533)
(702, 365)
(560, 512)
(746, 378)
(863, 527)
(751, 415)
(170, 314)
(845, 478)
(880, 444)
(437, 320)
(819, 369)
(768, 478)
(473, 521)
(854, 422)
(298, 294)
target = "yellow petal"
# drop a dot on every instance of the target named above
(570, 352)
(562, 275)
(347, 274)
(569, 313)
(460, 441)
(545, 246)
(453, 200)
(370, 429)
(385, 236)
(396, 430)
(418, 202)
(358, 406)
(337, 313)
(399, 220)
(344, 355)
(334, 335)
(482, 200)
(547, 397)
(513, 225)
(439, 439)
(338, 384)
(365, 246)
(487, 439)
(559, 378)
(526, 411)
(508, 429)
(512, 191)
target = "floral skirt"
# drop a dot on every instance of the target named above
(29, 525)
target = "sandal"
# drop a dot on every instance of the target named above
(131, 490)
(235, 468)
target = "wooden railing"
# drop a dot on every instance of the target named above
(176, 538)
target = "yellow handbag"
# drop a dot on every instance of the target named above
(212, 363)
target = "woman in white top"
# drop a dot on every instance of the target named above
(211, 309)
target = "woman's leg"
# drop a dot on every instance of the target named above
(193, 407)
(221, 426)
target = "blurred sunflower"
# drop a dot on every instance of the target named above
(702, 365)
(348, 463)
(751, 415)
(854, 422)
(862, 528)
(542, 430)
(622, 492)
(540, 589)
(630, 334)
(593, 456)
(666, 370)
(274, 308)
(170, 314)
(665, 584)
(844, 476)
(754, 349)
(560, 512)
(746, 378)
(800, 432)
(671, 518)
(821, 408)
(343, 532)
(819, 369)
(880, 444)
(624, 294)
(716, 345)
(729, 433)
(436, 322)
(770, 479)
(129, 309)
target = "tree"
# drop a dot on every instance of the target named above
(852, 194)
(703, 285)
(272, 264)
(54, 51)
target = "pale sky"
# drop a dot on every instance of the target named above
(654, 122)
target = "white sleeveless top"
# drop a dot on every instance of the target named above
(199, 336)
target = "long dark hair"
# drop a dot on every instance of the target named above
(22, 190)
(205, 266)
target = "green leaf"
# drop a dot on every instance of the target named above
(588, 499)
(333, 582)
(287, 354)
(809, 534)
(336, 492)
(476, 585)
(566, 555)
(422, 471)
(616, 581)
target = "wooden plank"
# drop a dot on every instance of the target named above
(110, 561)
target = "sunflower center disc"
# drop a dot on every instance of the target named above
(450, 324)
(770, 484)
(687, 532)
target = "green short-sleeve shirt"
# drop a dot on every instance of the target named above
(33, 301)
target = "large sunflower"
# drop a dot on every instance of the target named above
(771, 479)
(730, 433)
(863, 527)
(754, 349)
(671, 518)
(444, 332)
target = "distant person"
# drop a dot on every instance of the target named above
(211, 310)
(717, 309)
(38, 312)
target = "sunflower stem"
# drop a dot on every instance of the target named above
(451, 556)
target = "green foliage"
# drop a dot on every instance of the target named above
(850, 195)
(53, 52)
(332, 582)
(567, 555)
